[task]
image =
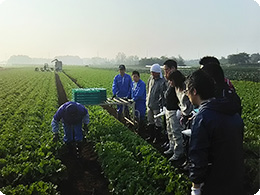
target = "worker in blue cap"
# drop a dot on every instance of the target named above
(122, 88)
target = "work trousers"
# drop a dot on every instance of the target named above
(174, 129)
(150, 117)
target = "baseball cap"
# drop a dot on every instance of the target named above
(121, 67)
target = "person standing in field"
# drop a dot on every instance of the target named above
(177, 80)
(173, 125)
(216, 144)
(139, 96)
(122, 87)
(211, 61)
(156, 86)
(72, 115)
(224, 87)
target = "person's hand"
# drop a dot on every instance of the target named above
(163, 109)
(130, 101)
(184, 120)
(162, 112)
(55, 137)
(195, 191)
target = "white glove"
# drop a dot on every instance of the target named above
(162, 112)
(195, 191)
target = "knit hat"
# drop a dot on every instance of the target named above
(156, 68)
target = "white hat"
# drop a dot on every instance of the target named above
(156, 68)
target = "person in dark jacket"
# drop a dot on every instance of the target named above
(216, 145)
(224, 87)
(72, 116)
(173, 126)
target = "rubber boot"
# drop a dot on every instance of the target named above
(120, 117)
(151, 131)
(158, 133)
(141, 127)
(170, 150)
(78, 147)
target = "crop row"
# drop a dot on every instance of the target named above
(27, 154)
(131, 164)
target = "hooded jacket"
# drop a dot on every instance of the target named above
(216, 148)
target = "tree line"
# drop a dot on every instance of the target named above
(121, 58)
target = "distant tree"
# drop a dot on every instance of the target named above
(255, 58)
(180, 61)
(223, 60)
(120, 58)
(132, 60)
(161, 60)
(19, 59)
(149, 61)
(241, 58)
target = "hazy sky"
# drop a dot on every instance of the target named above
(192, 29)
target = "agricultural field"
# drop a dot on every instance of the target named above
(30, 162)
(27, 154)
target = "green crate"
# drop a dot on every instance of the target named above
(89, 96)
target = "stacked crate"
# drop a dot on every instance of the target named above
(89, 96)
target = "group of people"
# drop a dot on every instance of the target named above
(215, 150)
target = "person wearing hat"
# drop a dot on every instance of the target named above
(122, 87)
(156, 86)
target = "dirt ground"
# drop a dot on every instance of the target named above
(84, 174)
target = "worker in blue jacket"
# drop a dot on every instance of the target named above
(72, 116)
(122, 87)
(139, 95)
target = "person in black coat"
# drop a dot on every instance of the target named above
(216, 145)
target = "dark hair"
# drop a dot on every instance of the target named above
(216, 72)
(209, 60)
(170, 63)
(178, 79)
(203, 83)
(136, 72)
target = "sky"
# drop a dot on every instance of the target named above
(146, 28)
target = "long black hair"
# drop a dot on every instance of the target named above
(178, 79)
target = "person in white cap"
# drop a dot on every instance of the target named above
(156, 86)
